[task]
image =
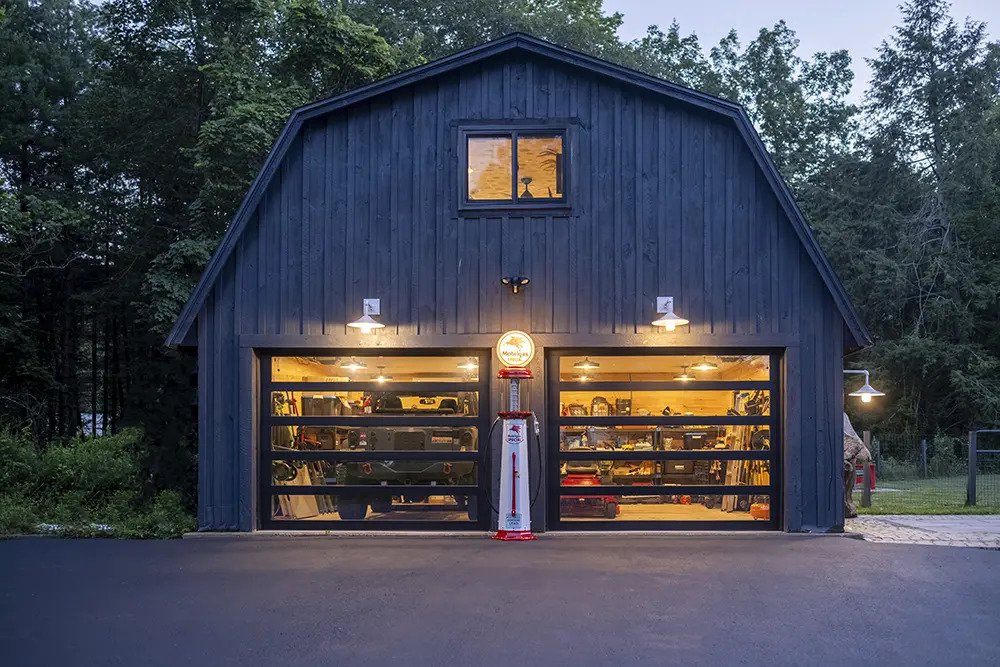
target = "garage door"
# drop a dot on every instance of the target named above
(363, 441)
(682, 440)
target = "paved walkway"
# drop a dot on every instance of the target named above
(953, 530)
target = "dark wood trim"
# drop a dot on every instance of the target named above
(372, 420)
(694, 385)
(370, 455)
(394, 489)
(662, 490)
(414, 387)
(680, 420)
(666, 455)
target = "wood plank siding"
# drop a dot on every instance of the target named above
(666, 199)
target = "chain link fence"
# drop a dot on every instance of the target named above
(985, 456)
(929, 474)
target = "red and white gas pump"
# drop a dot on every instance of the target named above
(515, 349)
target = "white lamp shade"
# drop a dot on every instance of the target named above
(366, 324)
(670, 320)
(866, 393)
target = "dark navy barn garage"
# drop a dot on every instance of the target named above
(688, 331)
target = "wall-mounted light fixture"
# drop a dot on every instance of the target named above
(668, 319)
(684, 376)
(515, 283)
(469, 364)
(382, 378)
(586, 365)
(366, 323)
(867, 391)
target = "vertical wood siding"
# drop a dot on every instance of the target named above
(665, 200)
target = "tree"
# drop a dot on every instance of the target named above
(916, 209)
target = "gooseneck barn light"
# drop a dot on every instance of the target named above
(867, 391)
(668, 319)
(469, 364)
(366, 323)
(382, 378)
(684, 376)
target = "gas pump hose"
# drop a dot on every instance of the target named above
(538, 451)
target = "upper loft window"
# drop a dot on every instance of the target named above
(522, 168)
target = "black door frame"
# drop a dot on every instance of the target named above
(554, 420)
(482, 421)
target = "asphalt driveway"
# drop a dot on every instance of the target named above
(758, 599)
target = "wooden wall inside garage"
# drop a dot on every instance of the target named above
(665, 200)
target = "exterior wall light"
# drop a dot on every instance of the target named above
(586, 365)
(515, 283)
(867, 391)
(668, 319)
(366, 323)
(382, 378)
(469, 364)
(705, 365)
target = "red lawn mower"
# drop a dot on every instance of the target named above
(586, 474)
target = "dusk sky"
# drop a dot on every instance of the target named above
(856, 25)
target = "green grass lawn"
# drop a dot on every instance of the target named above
(942, 495)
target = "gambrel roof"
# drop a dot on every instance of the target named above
(183, 331)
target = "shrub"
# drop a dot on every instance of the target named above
(944, 462)
(17, 515)
(83, 487)
(894, 469)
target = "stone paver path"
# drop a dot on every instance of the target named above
(954, 530)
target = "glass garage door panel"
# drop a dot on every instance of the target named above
(663, 474)
(660, 440)
(663, 438)
(391, 439)
(611, 509)
(664, 368)
(637, 403)
(348, 403)
(375, 507)
(291, 472)
(298, 437)
(385, 369)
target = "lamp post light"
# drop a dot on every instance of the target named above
(867, 391)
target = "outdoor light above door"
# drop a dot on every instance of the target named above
(867, 391)
(668, 319)
(366, 323)
(469, 364)
(586, 365)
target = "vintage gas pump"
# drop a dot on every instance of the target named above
(515, 350)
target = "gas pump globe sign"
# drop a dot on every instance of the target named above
(515, 349)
